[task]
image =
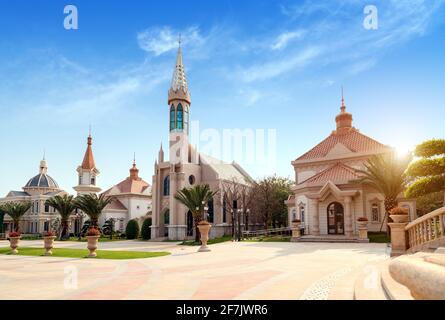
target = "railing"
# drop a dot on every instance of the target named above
(426, 230)
(266, 232)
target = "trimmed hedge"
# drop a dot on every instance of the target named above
(145, 230)
(132, 229)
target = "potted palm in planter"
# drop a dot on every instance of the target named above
(195, 199)
(204, 228)
(399, 215)
(92, 205)
(14, 240)
(48, 241)
(93, 235)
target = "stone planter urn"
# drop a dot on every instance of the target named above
(204, 228)
(296, 231)
(92, 245)
(399, 218)
(48, 242)
(362, 224)
(14, 244)
(399, 215)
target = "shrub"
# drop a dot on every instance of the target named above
(93, 232)
(14, 234)
(132, 230)
(398, 211)
(145, 230)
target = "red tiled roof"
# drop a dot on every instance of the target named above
(335, 173)
(132, 186)
(115, 205)
(353, 140)
(88, 159)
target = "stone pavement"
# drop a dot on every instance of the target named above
(246, 270)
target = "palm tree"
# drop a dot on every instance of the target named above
(92, 205)
(195, 199)
(64, 205)
(386, 173)
(16, 210)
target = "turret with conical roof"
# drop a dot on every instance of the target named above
(87, 171)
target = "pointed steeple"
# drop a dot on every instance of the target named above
(88, 159)
(343, 119)
(179, 88)
(161, 154)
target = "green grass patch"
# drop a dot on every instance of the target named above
(82, 253)
(270, 239)
(211, 241)
(378, 237)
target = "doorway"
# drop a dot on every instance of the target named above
(336, 222)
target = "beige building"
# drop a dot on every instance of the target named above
(37, 190)
(187, 167)
(325, 199)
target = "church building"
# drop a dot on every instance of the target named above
(325, 197)
(187, 167)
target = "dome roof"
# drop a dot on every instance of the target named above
(42, 180)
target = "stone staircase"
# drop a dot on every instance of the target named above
(423, 270)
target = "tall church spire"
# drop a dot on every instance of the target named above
(179, 88)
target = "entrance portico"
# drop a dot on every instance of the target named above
(332, 209)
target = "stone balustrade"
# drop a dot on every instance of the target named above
(425, 231)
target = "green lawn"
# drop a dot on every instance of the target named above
(211, 241)
(270, 239)
(378, 237)
(82, 253)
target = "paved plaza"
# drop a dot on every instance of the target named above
(246, 270)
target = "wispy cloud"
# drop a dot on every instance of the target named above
(272, 69)
(159, 40)
(286, 37)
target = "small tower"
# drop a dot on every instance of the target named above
(343, 119)
(161, 155)
(87, 172)
(134, 171)
(179, 102)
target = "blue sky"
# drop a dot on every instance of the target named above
(250, 65)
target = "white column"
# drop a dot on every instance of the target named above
(348, 217)
(315, 230)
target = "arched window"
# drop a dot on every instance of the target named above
(375, 212)
(302, 212)
(172, 117)
(167, 186)
(210, 212)
(294, 214)
(179, 117)
(186, 119)
(167, 217)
